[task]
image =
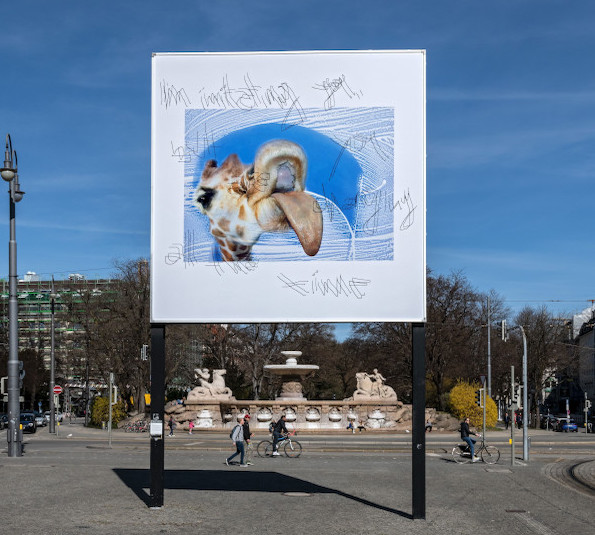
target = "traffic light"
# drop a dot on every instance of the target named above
(21, 373)
(478, 398)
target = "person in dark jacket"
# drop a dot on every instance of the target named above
(465, 432)
(278, 431)
(237, 436)
(247, 438)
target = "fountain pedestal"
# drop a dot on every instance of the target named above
(292, 374)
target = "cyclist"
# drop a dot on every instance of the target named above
(465, 432)
(278, 431)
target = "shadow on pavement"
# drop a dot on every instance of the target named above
(138, 480)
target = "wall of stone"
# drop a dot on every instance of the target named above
(302, 415)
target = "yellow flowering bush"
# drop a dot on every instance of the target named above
(462, 404)
(100, 411)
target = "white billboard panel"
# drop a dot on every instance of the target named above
(288, 186)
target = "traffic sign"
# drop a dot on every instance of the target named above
(57, 389)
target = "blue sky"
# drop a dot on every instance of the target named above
(510, 125)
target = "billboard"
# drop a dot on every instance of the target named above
(288, 186)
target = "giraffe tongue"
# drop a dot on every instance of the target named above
(305, 217)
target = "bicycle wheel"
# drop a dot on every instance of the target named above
(264, 448)
(293, 449)
(490, 454)
(460, 456)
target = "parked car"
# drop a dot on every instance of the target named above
(28, 422)
(548, 421)
(59, 416)
(568, 425)
(565, 424)
(40, 419)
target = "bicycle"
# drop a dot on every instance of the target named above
(489, 454)
(291, 447)
(140, 426)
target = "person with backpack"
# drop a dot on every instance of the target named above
(237, 436)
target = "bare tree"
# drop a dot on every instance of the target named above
(546, 351)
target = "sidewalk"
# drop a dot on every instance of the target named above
(78, 485)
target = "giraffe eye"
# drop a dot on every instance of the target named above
(204, 197)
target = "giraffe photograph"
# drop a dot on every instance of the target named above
(264, 189)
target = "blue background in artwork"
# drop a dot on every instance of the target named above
(340, 186)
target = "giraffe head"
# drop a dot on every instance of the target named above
(244, 200)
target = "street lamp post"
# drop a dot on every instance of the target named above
(14, 435)
(52, 362)
(525, 399)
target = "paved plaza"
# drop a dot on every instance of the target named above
(77, 484)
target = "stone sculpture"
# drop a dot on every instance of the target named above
(215, 388)
(371, 386)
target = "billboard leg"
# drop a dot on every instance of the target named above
(157, 414)
(418, 459)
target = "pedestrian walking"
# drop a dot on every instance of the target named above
(190, 427)
(237, 436)
(248, 439)
(172, 426)
(506, 420)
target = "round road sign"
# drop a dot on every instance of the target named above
(57, 389)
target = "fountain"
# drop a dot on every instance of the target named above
(292, 375)
(373, 405)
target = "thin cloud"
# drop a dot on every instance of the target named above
(454, 95)
(28, 223)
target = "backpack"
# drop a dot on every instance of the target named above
(272, 426)
(233, 431)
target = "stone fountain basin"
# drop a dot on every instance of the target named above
(284, 369)
(291, 367)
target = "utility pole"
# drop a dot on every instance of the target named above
(113, 399)
(52, 360)
(489, 351)
(586, 409)
(14, 435)
(525, 389)
(525, 401)
(513, 407)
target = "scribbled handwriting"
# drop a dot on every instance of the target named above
(332, 86)
(336, 286)
(249, 95)
(241, 267)
(201, 144)
(175, 254)
(380, 200)
(171, 95)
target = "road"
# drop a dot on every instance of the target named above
(75, 483)
(543, 443)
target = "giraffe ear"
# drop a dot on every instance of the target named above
(305, 217)
(233, 165)
(209, 168)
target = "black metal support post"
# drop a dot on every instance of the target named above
(418, 461)
(157, 414)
